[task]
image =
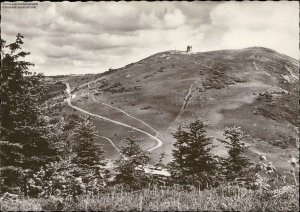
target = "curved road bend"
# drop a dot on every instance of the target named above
(122, 111)
(159, 142)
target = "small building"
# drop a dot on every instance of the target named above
(189, 49)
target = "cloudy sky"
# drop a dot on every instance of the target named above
(77, 38)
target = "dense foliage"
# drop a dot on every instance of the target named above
(24, 143)
(236, 165)
(280, 107)
(193, 162)
(130, 165)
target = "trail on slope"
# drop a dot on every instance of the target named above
(122, 111)
(112, 143)
(255, 66)
(88, 83)
(186, 99)
(159, 142)
(184, 105)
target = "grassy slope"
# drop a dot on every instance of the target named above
(167, 199)
(223, 95)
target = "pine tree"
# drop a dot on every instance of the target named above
(193, 163)
(24, 144)
(236, 164)
(130, 166)
(89, 154)
(61, 137)
(78, 166)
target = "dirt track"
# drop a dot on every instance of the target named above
(159, 142)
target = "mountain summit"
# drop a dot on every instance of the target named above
(254, 88)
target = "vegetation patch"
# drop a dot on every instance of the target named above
(279, 107)
(225, 198)
(146, 107)
(218, 78)
(116, 87)
(53, 89)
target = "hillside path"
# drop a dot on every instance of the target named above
(184, 105)
(159, 142)
(122, 111)
(186, 99)
(112, 143)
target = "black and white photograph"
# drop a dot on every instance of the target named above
(149, 106)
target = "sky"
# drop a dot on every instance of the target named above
(91, 37)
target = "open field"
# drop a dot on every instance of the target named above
(226, 198)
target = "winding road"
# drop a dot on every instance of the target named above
(122, 111)
(159, 142)
(68, 90)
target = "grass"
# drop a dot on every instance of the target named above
(170, 75)
(281, 108)
(167, 199)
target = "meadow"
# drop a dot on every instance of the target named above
(160, 198)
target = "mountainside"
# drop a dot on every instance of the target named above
(254, 88)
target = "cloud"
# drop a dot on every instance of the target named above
(269, 24)
(90, 37)
(173, 19)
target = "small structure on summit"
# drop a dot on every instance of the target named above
(188, 49)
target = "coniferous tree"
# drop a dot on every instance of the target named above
(236, 164)
(89, 154)
(193, 162)
(58, 177)
(130, 166)
(61, 137)
(24, 144)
